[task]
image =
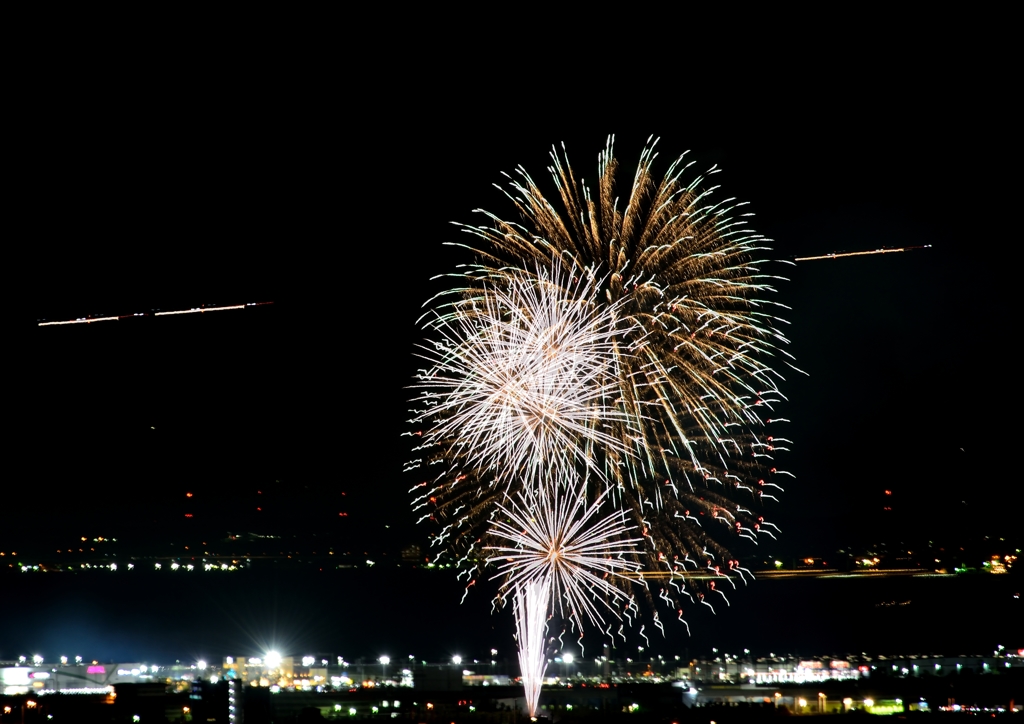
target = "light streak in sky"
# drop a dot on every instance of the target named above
(841, 254)
(193, 310)
(88, 320)
(199, 309)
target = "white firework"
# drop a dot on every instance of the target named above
(553, 534)
(523, 380)
(698, 347)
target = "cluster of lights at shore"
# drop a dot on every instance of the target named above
(274, 672)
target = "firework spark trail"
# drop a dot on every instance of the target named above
(531, 603)
(553, 534)
(696, 343)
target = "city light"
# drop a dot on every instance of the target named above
(603, 672)
(272, 659)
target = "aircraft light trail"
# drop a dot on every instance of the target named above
(193, 310)
(841, 254)
(199, 309)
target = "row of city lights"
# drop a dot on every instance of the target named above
(131, 566)
(272, 660)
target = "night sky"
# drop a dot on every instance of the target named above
(331, 194)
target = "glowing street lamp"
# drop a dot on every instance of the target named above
(272, 660)
(567, 660)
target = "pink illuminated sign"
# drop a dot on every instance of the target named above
(96, 670)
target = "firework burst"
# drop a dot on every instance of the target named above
(686, 443)
(521, 388)
(555, 535)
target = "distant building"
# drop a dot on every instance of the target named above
(413, 555)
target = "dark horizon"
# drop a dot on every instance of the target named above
(160, 618)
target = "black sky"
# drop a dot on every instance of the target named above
(328, 185)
